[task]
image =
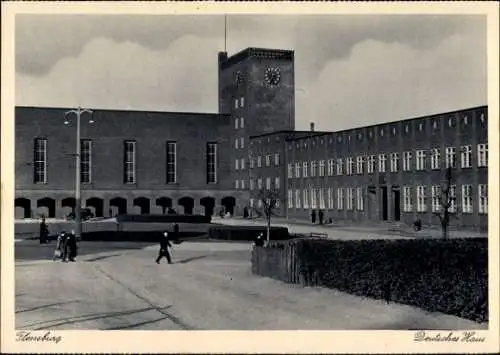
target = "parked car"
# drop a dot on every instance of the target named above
(85, 213)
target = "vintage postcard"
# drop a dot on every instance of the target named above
(250, 177)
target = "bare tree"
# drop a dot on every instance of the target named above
(268, 200)
(446, 200)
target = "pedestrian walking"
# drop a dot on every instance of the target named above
(164, 245)
(44, 231)
(72, 246)
(58, 251)
(320, 216)
(313, 216)
(259, 242)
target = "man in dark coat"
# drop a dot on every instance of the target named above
(164, 245)
(176, 232)
(70, 247)
(44, 231)
(320, 216)
(313, 216)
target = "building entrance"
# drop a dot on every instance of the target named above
(383, 200)
(396, 198)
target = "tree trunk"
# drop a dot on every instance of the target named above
(268, 228)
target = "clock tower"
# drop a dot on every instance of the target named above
(258, 84)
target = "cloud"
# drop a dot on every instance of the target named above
(382, 82)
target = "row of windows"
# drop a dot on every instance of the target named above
(258, 203)
(350, 198)
(397, 162)
(451, 122)
(129, 162)
(267, 160)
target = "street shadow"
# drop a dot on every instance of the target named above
(135, 325)
(101, 258)
(184, 261)
(44, 306)
(83, 318)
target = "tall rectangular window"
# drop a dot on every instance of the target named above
(40, 161)
(360, 162)
(435, 158)
(86, 161)
(290, 170)
(259, 183)
(236, 143)
(290, 198)
(211, 163)
(268, 160)
(330, 167)
(242, 164)
(259, 161)
(305, 198)
(321, 168)
(483, 199)
(242, 184)
(268, 183)
(421, 199)
(359, 199)
(420, 160)
(340, 166)
(297, 170)
(242, 142)
(237, 184)
(277, 182)
(349, 166)
(235, 123)
(276, 159)
(297, 199)
(313, 198)
(321, 198)
(304, 169)
(407, 200)
(252, 162)
(394, 162)
(242, 102)
(129, 162)
(453, 198)
(252, 183)
(340, 198)
(450, 157)
(466, 156)
(171, 162)
(467, 198)
(242, 122)
(236, 164)
(382, 159)
(482, 155)
(330, 198)
(436, 198)
(371, 164)
(313, 168)
(350, 198)
(406, 161)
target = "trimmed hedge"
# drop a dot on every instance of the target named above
(163, 218)
(449, 276)
(247, 233)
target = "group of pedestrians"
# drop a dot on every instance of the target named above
(66, 247)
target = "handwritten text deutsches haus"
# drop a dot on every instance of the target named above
(462, 337)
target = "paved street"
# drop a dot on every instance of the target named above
(210, 286)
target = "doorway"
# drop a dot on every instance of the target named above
(396, 193)
(383, 192)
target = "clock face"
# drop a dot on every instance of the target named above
(273, 76)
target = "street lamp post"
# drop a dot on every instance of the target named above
(78, 112)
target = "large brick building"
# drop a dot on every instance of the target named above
(148, 162)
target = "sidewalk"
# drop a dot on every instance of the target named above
(345, 231)
(209, 287)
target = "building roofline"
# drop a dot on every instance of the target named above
(123, 110)
(392, 122)
(285, 131)
(255, 51)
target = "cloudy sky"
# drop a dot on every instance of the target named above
(350, 70)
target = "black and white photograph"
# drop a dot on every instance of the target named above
(236, 171)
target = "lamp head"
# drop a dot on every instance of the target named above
(66, 122)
